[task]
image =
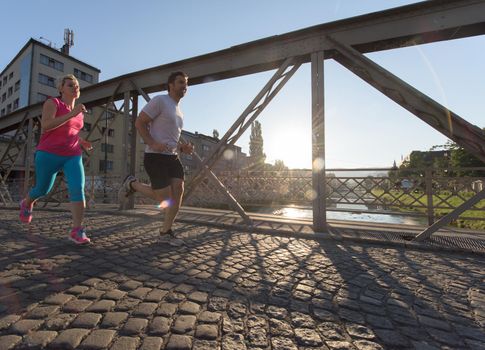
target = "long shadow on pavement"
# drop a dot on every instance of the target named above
(266, 291)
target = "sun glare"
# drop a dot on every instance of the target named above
(165, 204)
(290, 145)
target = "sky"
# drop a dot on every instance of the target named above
(363, 128)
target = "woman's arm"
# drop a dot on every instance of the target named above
(49, 120)
(87, 145)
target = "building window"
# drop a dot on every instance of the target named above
(17, 85)
(5, 80)
(106, 147)
(41, 97)
(10, 91)
(9, 108)
(83, 76)
(10, 76)
(4, 97)
(205, 148)
(3, 112)
(46, 80)
(15, 104)
(51, 62)
(102, 167)
(87, 127)
(108, 115)
(0, 83)
(111, 132)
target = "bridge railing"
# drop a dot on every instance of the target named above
(428, 193)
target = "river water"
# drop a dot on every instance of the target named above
(299, 212)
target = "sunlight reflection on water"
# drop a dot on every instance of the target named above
(295, 212)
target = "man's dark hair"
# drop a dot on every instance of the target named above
(173, 76)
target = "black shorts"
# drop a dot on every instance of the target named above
(161, 168)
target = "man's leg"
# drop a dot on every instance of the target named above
(149, 192)
(155, 166)
(176, 192)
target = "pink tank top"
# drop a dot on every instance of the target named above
(63, 140)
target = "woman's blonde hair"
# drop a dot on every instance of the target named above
(62, 80)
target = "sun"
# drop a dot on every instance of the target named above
(289, 144)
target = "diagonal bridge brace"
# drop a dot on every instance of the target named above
(269, 91)
(12, 153)
(219, 185)
(445, 220)
(465, 134)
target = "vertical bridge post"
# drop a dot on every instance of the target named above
(318, 144)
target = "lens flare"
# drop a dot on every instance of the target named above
(165, 204)
(228, 154)
(318, 164)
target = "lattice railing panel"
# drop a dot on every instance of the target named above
(377, 193)
(382, 193)
(452, 191)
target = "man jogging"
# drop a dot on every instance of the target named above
(160, 124)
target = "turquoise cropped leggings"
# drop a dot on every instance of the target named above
(47, 165)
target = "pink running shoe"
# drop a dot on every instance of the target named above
(25, 212)
(79, 236)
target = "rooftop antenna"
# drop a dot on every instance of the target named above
(68, 41)
(48, 41)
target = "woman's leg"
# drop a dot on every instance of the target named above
(74, 171)
(46, 167)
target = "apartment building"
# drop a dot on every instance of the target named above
(233, 158)
(31, 75)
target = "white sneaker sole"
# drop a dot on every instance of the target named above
(79, 243)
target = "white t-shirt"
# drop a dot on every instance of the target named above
(167, 122)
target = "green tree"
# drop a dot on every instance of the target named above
(408, 167)
(256, 144)
(279, 165)
(441, 165)
(459, 158)
(417, 159)
(462, 159)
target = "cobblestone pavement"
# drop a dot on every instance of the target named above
(226, 289)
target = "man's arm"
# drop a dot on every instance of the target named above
(187, 148)
(142, 124)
